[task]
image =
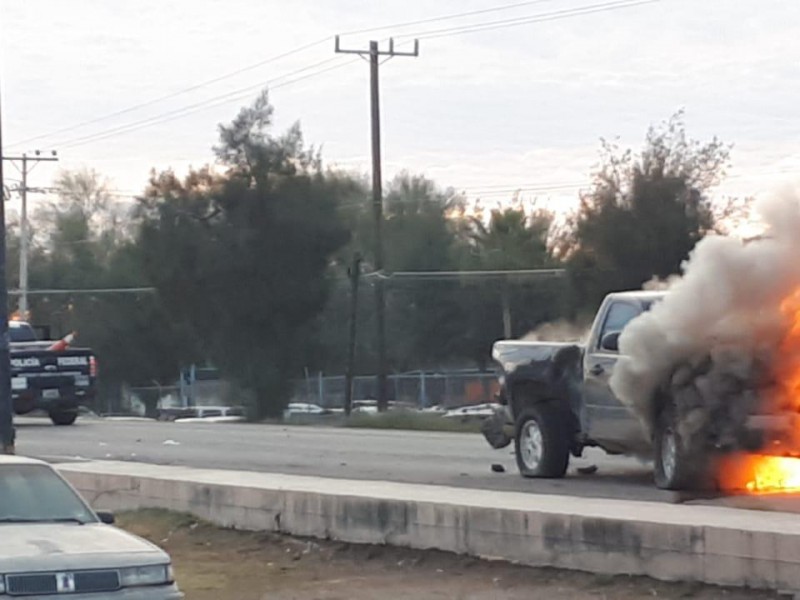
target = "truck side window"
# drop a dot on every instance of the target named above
(619, 315)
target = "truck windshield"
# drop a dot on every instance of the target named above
(36, 494)
(21, 332)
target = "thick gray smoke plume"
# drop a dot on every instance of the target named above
(720, 327)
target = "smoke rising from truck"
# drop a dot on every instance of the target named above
(720, 340)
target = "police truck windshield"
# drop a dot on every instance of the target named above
(21, 332)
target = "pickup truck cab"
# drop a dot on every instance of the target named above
(54, 381)
(556, 400)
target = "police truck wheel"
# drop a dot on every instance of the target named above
(63, 417)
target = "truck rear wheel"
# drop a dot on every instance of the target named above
(542, 442)
(63, 417)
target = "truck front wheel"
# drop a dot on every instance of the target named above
(673, 467)
(63, 417)
(542, 442)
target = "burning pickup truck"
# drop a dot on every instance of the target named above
(559, 398)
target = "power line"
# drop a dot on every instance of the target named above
(512, 190)
(237, 94)
(396, 275)
(173, 94)
(54, 292)
(241, 92)
(485, 191)
(449, 17)
(228, 96)
(200, 106)
(542, 17)
(479, 274)
(272, 59)
(546, 185)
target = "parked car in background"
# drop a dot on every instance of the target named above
(368, 407)
(294, 409)
(203, 413)
(54, 545)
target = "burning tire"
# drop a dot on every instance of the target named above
(674, 466)
(542, 442)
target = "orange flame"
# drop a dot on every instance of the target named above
(759, 474)
(774, 473)
(769, 474)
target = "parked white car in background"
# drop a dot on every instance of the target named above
(213, 414)
(303, 408)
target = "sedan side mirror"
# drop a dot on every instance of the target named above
(106, 516)
(610, 342)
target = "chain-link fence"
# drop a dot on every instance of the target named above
(145, 401)
(418, 389)
(150, 400)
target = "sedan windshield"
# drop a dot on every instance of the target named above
(35, 493)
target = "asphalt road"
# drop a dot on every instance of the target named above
(452, 459)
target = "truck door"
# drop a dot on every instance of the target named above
(609, 421)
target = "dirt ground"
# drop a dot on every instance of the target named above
(219, 564)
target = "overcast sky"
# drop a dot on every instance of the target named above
(517, 106)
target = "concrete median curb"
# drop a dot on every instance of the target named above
(671, 542)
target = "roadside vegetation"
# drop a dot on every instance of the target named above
(243, 263)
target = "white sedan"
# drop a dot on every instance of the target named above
(53, 544)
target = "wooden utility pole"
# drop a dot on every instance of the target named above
(374, 53)
(6, 415)
(506, 302)
(355, 277)
(24, 235)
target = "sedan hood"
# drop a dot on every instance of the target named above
(27, 547)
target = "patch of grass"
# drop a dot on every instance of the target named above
(412, 421)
